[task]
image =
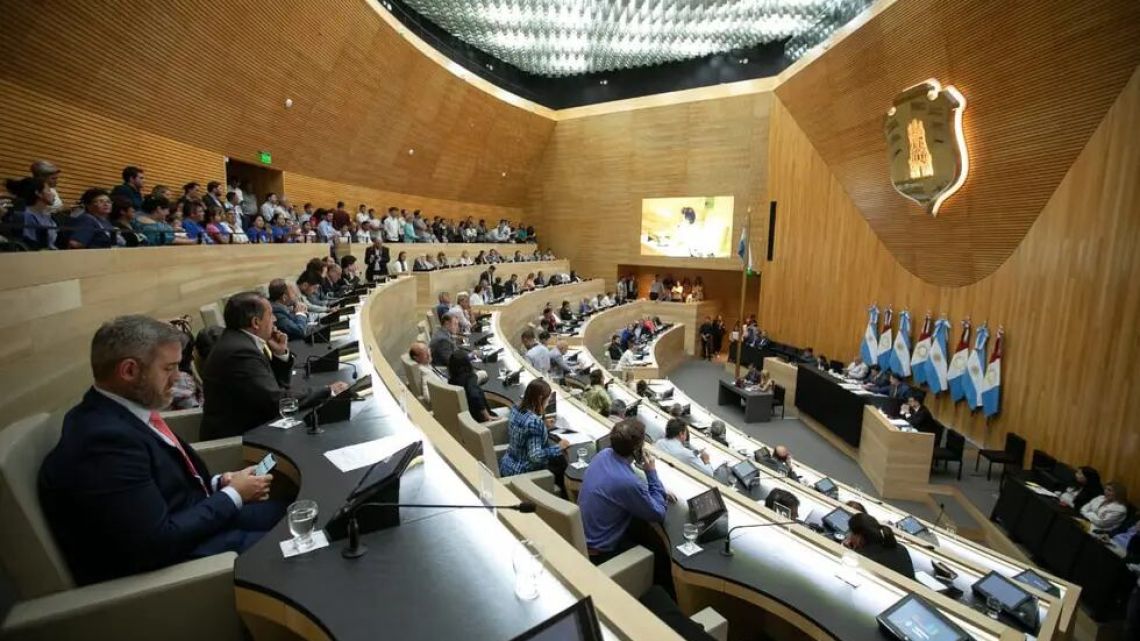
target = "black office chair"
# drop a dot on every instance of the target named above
(1060, 477)
(1011, 501)
(778, 399)
(953, 452)
(1012, 454)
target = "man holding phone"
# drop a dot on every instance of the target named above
(613, 495)
(249, 370)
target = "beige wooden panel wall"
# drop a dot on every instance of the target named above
(596, 170)
(1067, 295)
(54, 301)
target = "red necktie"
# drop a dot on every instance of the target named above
(164, 429)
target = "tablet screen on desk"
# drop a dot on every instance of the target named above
(1008, 593)
(837, 521)
(913, 619)
(911, 525)
(1031, 578)
(579, 622)
(706, 506)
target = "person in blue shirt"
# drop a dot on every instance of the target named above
(613, 494)
(530, 448)
(279, 229)
(93, 229)
(134, 180)
(280, 299)
(192, 222)
(257, 233)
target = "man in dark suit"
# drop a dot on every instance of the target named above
(282, 301)
(897, 388)
(916, 413)
(443, 340)
(249, 369)
(877, 380)
(121, 492)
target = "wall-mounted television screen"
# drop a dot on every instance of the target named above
(691, 227)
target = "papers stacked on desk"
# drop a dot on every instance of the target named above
(354, 457)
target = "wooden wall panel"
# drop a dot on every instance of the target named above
(586, 197)
(1067, 295)
(91, 149)
(1038, 78)
(54, 301)
(216, 75)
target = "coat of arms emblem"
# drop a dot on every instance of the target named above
(925, 144)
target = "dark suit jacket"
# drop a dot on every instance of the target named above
(119, 499)
(442, 345)
(902, 391)
(920, 419)
(243, 387)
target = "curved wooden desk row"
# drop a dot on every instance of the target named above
(971, 559)
(791, 572)
(598, 330)
(464, 279)
(441, 573)
(451, 250)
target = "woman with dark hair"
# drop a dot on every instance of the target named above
(37, 198)
(92, 229)
(461, 373)
(877, 542)
(530, 449)
(211, 222)
(1087, 488)
(257, 233)
(398, 266)
(123, 217)
(278, 229)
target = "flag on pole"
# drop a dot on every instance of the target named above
(869, 351)
(991, 388)
(885, 341)
(900, 355)
(936, 373)
(921, 351)
(958, 364)
(975, 369)
(744, 249)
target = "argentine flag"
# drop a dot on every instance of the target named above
(900, 355)
(958, 364)
(975, 369)
(991, 388)
(869, 351)
(921, 352)
(936, 372)
(744, 250)
(885, 342)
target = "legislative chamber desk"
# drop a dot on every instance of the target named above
(757, 405)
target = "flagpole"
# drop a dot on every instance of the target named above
(743, 283)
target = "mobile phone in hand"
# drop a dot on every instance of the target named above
(266, 464)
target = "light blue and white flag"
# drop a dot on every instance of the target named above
(744, 250)
(900, 355)
(976, 369)
(991, 388)
(957, 371)
(921, 351)
(936, 368)
(885, 341)
(869, 350)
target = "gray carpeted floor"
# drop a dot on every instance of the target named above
(698, 379)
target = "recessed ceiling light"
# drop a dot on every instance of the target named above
(504, 174)
(411, 152)
(603, 82)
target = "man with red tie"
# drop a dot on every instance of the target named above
(121, 492)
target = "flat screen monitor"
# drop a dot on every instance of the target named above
(689, 227)
(1038, 582)
(631, 411)
(837, 521)
(826, 486)
(745, 471)
(1009, 594)
(686, 409)
(706, 506)
(667, 394)
(911, 525)
(385, 471)
(579, 622)
(913, 619)
(602, 443)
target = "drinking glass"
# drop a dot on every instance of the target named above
(993, 607)
(690, 532)
(302, 521)
(287, 407)
(528, 569)
(582, 454)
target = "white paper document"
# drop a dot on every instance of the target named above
(354, 457)
(899, 422)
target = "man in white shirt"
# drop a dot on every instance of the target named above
(49, 173)
(477, 298)
(461, 310)
(362, 215)
(392, 225)
(269, 207)
(857, 369)
(536, 352)
(676, 442)
(420, 353)
(325, 230)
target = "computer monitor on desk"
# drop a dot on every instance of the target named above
(579, 622)
(913, 619)
(1014, 600)
(707, 510)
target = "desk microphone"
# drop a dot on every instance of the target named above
(941, 511)
(727, 551)
(356, 549)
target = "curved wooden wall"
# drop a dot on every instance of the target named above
(1067, 295)
(215, 76)
(464, 279)
(597, 331)
(1038, 78)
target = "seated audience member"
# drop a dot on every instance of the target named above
(93, 230)
(784, 503)
(39, 228)
(421, 354)
(122, 218)
(896, 388)
(550, 319)
(309, 284)
(564, 312)
(334, 285)
(765, 383)
(349, 272)
(153, 225)
(441, 261)
(257, 231)
(808, 356)
(120, 491)
(626, 362)
(783, 457)
(613, 495)
(530, 449)
(46, 171)
(822, 363)
(558, 364)
(443, 305)
(293, 325)
(478, 296)
(614, 349)
(1108, 510)
(539, 280)
(877, 542)
(399, 266)
(644, 391)
(443, 339)
(856, 505)
(512, 286)
(719, 432)
(461, 373)
(249, 370)
(676, 442)
(536, 353)
(596, 397)
(857, 369)
(585, 307)
(193, 215)
(213, 225)
(1087, 488)
(916, 413)
(753, 375)
(463, 313)
(134, 181)
(877, 379)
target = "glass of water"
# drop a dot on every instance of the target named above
(302, 520)
(993, 607)
(582, 454)
(528, 565)
(690, 532)
(287, 407)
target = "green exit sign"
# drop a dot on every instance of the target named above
(266, 157)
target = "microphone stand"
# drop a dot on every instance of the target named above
(727, 551)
